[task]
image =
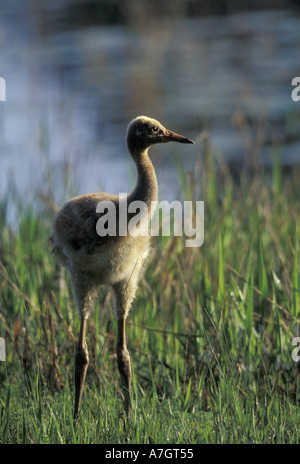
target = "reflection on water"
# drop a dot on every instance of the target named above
(70, 95)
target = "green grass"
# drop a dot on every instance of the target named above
(210, 333)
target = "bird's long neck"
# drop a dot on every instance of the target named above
(146, 188)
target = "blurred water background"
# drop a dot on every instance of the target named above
(77, 72)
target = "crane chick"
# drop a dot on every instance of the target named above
(113, 260)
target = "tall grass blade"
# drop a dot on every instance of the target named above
(188, 395)
(249, 311)
(221, 288)
(276, 172)
(5, 422)
(295, 278)
(262, 273)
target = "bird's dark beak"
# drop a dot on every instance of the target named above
(170, 136)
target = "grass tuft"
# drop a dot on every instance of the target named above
(210, 332)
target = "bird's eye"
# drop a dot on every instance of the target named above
(154, 129)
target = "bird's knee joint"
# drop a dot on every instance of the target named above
(82, 356)
(122, 353)
(123, 359)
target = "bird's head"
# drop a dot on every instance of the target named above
(142, 132)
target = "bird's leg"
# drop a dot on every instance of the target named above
(123, 359)
(81, 365)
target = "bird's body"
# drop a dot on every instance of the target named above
(80, 249)
(116, 259)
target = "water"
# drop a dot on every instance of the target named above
(71, 93)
